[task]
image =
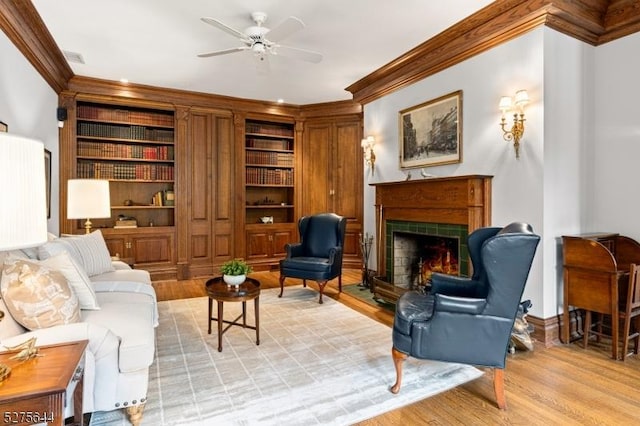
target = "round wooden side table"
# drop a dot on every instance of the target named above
(221, 292)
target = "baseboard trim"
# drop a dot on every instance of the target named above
(547, 330)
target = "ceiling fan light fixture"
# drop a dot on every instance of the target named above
(258, 48)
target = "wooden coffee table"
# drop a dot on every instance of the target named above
(220, 291)
(35, 390)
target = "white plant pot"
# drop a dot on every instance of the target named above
(234, 279)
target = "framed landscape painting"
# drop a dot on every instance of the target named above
(431, 133)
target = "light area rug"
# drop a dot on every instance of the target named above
(315, 365)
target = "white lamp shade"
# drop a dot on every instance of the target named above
(88, 199)
(522, 98)
(505, 103)
(23, 209)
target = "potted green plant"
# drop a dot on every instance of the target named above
(235, 271)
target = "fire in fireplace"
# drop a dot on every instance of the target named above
(416, 256)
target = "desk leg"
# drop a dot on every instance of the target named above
(210, 313)
(256, 302)
(565, 314)
(220, 317)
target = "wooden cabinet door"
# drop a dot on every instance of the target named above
(346, 165)
(152, 249)
(258, 245)
(117, 245)
(280, 239)
(316, 168)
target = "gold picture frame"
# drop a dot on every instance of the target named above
(431, 133)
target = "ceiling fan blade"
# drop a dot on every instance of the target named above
(224, 27)
(294, 52)
(285, 29)
(223, 52)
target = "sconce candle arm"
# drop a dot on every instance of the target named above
(517, 129)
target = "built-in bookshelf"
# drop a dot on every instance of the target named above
(269, 171)
(134, 149)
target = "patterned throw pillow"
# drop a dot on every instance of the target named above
(76, 277)
(37, 297)
(89, 251)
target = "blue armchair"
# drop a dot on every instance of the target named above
(318, 255)
(469, 320)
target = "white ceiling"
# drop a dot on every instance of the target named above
(156, 42)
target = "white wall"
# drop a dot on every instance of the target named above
(617, 138)
(524, 189)
(28, 105)
(568, 112)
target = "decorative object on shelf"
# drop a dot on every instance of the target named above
(517, 106)
(431, 133)
(88, 198)
(24, 219)
(266, 219)
(369, 156)
(366, 242)
(234, 272)
(3, 127)
(169, 197)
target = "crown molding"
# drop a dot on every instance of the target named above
(592, 21)
(23, 25)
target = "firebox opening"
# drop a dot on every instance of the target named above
(417, 256)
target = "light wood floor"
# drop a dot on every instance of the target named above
(563, 385)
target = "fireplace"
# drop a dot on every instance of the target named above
(440, 213)
(416, 256)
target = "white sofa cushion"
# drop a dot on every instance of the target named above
(130, 317)
(130, 287)
(36, 296)
(76, 277)
(89, 250)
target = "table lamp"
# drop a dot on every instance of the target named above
(88, 198)
(23, 211)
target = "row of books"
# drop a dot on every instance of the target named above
(284, 145)
(269, 129)
(260, 176)
(117, 131)
(269, 158)
(88, 169)
(92, 112)
(114, 150)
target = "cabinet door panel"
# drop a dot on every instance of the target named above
(316, 169)
(257, 245)
(152, 249)
(116, 245)
(280, 238)
(347, 167)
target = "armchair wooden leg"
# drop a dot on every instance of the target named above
(398, 359)
(321, 284)
(282, 277)
(340, 283)
(135, 414)
(498, 387)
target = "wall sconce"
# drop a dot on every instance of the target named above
(517, 130)
(369, 156)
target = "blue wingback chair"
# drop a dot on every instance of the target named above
(318, 255)
(469, 320)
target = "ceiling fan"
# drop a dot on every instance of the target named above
(262, 41)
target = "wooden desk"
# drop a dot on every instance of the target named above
(596, 267)
(35, 390)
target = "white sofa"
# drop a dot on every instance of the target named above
(121, 335)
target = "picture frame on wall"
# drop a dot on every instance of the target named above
(431, 133)
(4, 127)
(47, 176)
